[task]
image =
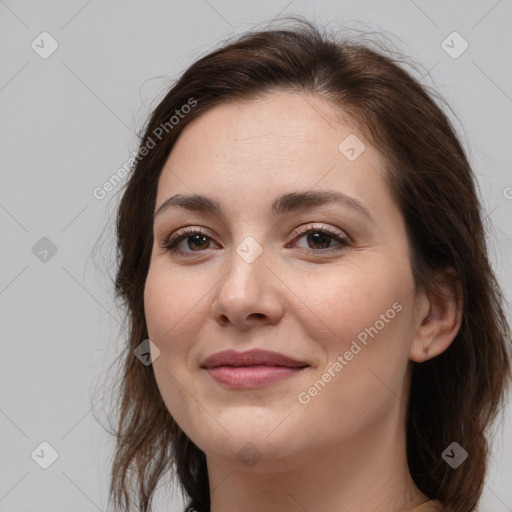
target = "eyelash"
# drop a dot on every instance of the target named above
(172, 241)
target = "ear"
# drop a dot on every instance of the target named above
(439, 317)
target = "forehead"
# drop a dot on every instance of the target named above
(282, 142)
(284, 121)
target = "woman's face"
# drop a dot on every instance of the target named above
(324, 285)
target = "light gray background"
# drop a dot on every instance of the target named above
(67, 124)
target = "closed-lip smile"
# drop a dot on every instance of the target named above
(250, 369)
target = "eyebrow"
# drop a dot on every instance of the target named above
(287, 203)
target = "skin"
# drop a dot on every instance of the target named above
(344, 450)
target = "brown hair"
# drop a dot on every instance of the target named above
(453, 397)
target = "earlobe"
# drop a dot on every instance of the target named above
(439, 318)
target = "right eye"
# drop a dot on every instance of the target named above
(195, 239)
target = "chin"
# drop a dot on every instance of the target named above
(254, 438)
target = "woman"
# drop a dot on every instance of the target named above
(302, 242)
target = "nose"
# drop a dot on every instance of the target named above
(248, 295)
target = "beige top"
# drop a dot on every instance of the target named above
(429, 506)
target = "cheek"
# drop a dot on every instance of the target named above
(365, 314)
(171, 303)
(370, 314)
(171, 322)
(343, 303)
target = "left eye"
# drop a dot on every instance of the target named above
(323, 238)
(197, 241)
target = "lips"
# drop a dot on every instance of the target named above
(251, 369)
(251, 358)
